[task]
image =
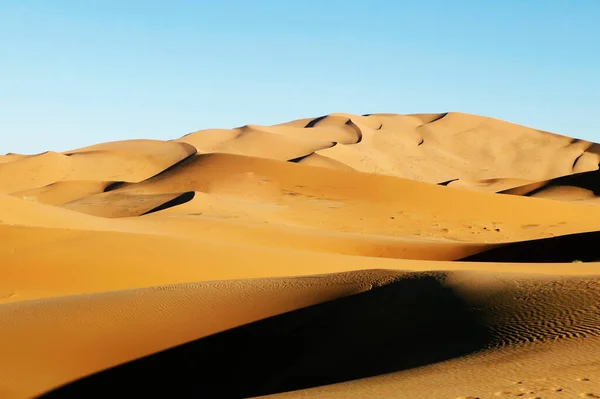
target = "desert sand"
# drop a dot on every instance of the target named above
(342, 256)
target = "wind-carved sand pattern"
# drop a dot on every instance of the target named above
(343, 256)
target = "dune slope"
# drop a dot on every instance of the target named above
(413, 321)
(79, 329)
(582, 187)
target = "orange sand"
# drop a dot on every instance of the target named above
(120, 251)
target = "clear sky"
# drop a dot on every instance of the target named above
(74, 73)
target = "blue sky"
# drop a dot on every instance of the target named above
(74, 73)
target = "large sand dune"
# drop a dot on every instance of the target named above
(413, 321)
(403, 256)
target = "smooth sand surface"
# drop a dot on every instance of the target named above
(427, 256)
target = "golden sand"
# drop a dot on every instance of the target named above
(345, 256)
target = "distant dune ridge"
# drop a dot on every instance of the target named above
(344, 256)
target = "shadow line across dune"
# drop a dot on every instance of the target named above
(179, 200)
(567, 248)
(413, 321)
(586, 180)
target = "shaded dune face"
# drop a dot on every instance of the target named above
(568, 248)
(117, 204)
(116, 326)
(577, 187)
(405, 324)
(545, 344)
(415, 320)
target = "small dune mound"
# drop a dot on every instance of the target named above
(151, 148)
(130, 161)
(64, 191)
(29, 212)
(10, 158)
(114, 204)
(33, 172)
(121, 161)
(492, 185)
(583, 186)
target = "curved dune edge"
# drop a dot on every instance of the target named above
(493, 185)
(330, 199)
(321, 161)
(62, 192)
(426, 147)
(580, 247)
(135, 323)
(582, 187)
(131, 161)
(114, 204)
(43, 262)
(414, 320)
(256, 141)
(10, 158)
(549, 345)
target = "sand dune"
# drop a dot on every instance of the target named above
(135, 323)
(544, 346)
(439, 255)
(256, 141)
(47, 262)
(123, 204)
(441, 147)
(493, 185)
(567, 248)
(427, 147)
(63, 192)
(582, 187)
(318, 198)
(128, 161)
(411, 322)
(10, 157)
(28, 212)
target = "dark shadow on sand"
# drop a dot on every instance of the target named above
(567, 248)
(179, 200)
(415, 321)
(586, 180)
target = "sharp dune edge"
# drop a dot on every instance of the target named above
(343, 256)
